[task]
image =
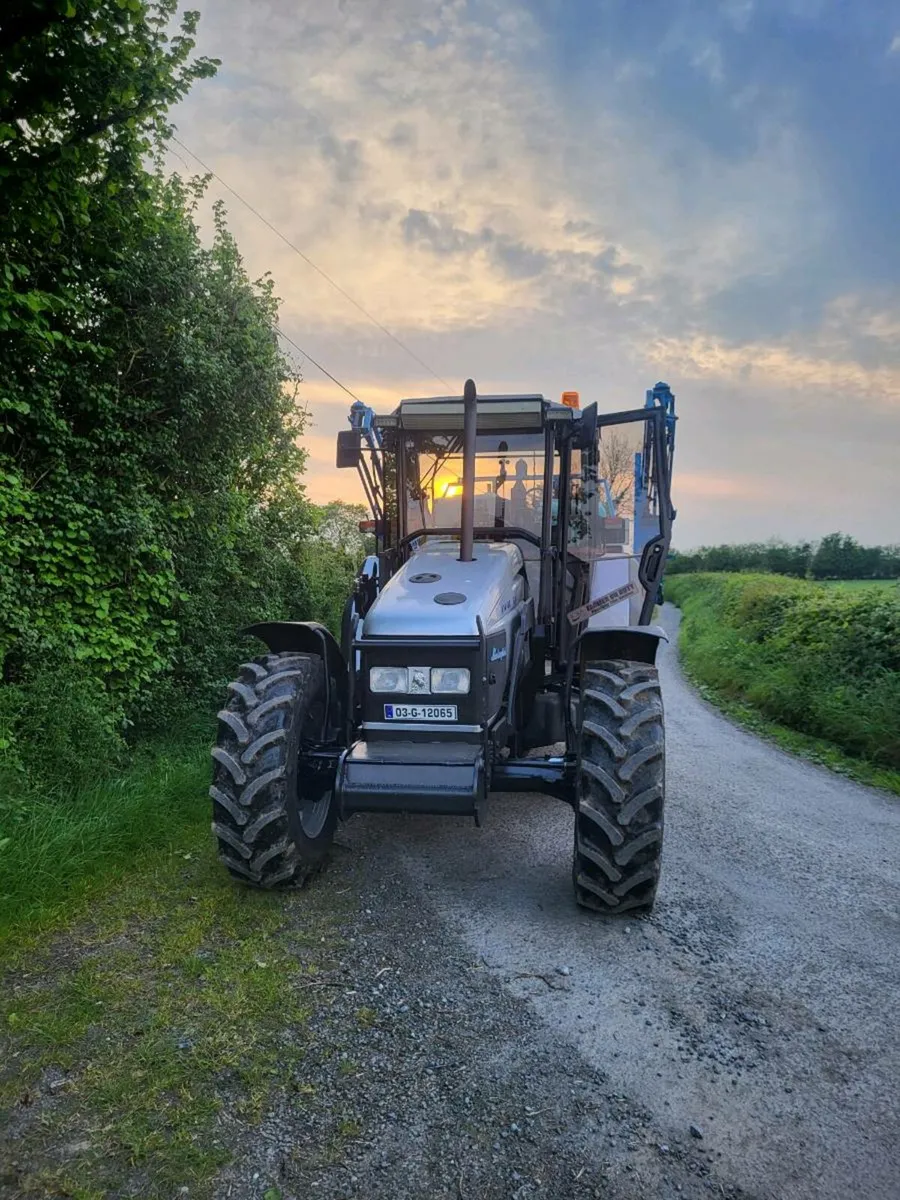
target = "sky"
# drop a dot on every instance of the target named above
(590, 195)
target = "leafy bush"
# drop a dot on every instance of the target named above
(819, 660)
(150, 440)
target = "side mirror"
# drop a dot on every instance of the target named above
(585, 433)
(348, 448)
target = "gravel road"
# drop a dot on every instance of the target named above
(514, 1046)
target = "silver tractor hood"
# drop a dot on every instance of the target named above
(435, 594)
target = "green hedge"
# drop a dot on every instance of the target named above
(151, 438)
(819, 660)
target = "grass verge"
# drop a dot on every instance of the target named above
(817, 750)
(59, 849)
(810, 669)
(151, 1009)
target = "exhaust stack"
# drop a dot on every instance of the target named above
(467, 517)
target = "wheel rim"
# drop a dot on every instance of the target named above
(314, 813)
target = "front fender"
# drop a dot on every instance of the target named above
(310, 637)
(631, 643)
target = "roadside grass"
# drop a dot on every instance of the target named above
(150, 1008)
(810, 668)
(138, 1044)
(816, 750)
(59, 848)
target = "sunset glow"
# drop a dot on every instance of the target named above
(512, 192)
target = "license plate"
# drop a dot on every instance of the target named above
(420, 712)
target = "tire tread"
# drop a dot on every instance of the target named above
(272, 703)
(621, 787)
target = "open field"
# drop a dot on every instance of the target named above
(889, 586)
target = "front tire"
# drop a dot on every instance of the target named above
(274, 820)
(621, 788)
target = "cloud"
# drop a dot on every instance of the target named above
(586, 195)
(439, 233)
(781, 366)
(331, 484)
(468, 153)
(346, 157)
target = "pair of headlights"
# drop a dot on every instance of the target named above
(420, 681)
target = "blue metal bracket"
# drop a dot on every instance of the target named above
(646, 518)
(371, 472)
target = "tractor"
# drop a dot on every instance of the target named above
(498, 639)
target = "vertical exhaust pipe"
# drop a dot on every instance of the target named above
(467, 521)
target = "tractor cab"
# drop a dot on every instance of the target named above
(584, 498)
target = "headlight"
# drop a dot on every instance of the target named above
(450, 679)
(388, 679)
(420, 681)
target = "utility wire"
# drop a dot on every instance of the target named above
(316, 268)
(318, 365)
(280, 332)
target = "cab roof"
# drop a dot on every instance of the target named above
(526, 412)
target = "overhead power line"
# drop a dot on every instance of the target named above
(309, 262)
(280, 332)
(318, 365)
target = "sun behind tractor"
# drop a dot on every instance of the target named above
(520, 548)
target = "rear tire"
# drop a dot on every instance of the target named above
(274, 820)
(621, 788)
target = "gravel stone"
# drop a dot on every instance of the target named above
(467, 1096)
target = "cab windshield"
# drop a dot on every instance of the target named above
(509, 481)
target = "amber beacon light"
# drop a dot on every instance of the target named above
(571, 399)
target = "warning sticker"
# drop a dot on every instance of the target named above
(577, 615)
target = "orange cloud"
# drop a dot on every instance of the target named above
(696, 485)
(772, 364)
(323, 480)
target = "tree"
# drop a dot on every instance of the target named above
(84, 90)
(617, 468)
(83, 95)
(781, 558)
(338, 524)
(149, 437)
(835, 557)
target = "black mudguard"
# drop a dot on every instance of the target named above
(629, 643)
(310, 637)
